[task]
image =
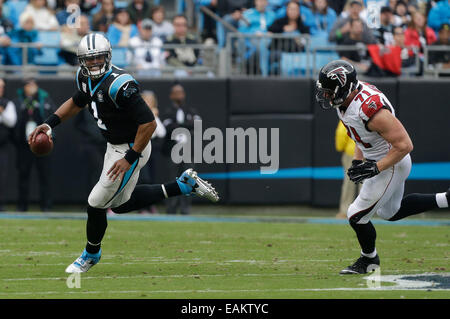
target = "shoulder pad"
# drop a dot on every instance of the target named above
(79, 79)
(119, 82)
(371, 106)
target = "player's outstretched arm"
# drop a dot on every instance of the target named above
(392, 130)
(64, 112)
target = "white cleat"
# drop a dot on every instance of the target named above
(84, 262)
(198, 186)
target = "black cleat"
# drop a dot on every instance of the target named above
(447, 194)
(362, 266)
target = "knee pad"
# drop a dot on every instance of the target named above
(97, 199)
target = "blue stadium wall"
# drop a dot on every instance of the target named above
(309, 170)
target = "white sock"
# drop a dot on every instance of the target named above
(441, 200)
(371, 255)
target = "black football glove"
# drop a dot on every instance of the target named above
(359, 172)
(355, 163)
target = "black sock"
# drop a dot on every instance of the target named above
(172, 189)
(95, 228)
(366, 234)
(413, 204)
(145, 195)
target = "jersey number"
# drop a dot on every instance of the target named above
(356, 136)
(95, 113)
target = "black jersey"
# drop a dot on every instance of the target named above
(115, 103)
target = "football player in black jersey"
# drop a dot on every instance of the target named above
(126, 122)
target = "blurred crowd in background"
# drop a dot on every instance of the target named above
(394, 33)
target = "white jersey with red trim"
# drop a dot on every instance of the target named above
(366, 104)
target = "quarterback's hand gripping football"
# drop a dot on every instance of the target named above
(43, 128)
(359, 172)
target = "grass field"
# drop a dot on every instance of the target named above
(185, 257)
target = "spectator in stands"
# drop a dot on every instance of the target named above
(321, 18)
(229, 6)
(6, 27)
(88, 5)
(390, 59)
(208, 30)
(418, 34)
(306, 3)
(233, 18)
(384, 33)
(148, 172)
(337, 5)
(8, 118)
(139, 10)
(358, 57)
(44, 19)
(105, 17)
(258, 19)
(122, 29)
(342, 25)
(402, 16)
(407, 55)
(274, 5)
(71, 37)
(161, 27)
(34, 105)
(439, 14)
(290, 24)
(147, 55)
(441, 59)
(392, 4)
(182, 56)
(178, 114)
(25, 34)
(63, 15)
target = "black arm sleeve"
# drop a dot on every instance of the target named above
(80, 99)
(131, 100)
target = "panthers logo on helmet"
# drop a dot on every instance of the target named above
(339, 74)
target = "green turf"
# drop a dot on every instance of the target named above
(143, 259)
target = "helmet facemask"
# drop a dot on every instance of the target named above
(327, 98)
(96, 70)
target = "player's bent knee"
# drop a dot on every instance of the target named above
(96, 200)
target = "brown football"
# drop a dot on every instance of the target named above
(42, 145)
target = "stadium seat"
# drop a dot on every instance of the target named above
(323, 58)
(119, 57)
(48, 56)
(294, 64)
(319, 41)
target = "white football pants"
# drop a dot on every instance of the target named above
(381, 194)
(109, 194)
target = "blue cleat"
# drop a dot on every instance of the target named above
(84, 262)
(190, 183)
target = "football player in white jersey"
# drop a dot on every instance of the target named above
(381, 161)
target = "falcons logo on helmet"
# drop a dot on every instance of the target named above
(339, 74)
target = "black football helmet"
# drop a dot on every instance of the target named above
(337, 80)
